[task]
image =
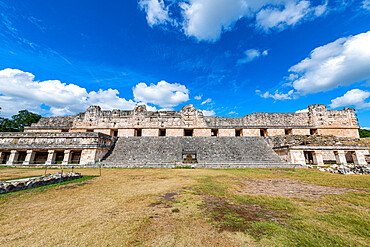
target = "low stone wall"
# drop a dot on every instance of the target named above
(316, 140)
(23, 184)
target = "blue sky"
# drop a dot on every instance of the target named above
(226, 57)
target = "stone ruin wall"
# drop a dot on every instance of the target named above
(341, 123)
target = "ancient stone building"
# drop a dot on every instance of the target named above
(164, 138)
(191, 122)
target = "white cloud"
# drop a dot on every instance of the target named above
(206, 20)
(163, 94)
(61, 98)
(156, 12)
(340, 63)
(252, 54)
(206, 101)
(208, 113)
(199, 97)
(277, 95)
(302, 111)
(354, 97)
(292, 13)
(366, 4)
(19, 90)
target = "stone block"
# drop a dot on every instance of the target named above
(251, 132)
(300, 131)
(275, 132)
(226, 132)
(202, 132)
(175, 132)
(126, 132)
(150, 132)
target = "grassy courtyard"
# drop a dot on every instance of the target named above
(185, 207)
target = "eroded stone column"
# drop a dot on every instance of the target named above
(67, 157)
(340, 157)
(29, 157)
(359, 158)
(317, 158)
(51, 157)
(13, 157)
(297, 157)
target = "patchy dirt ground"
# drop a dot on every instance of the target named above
(239, 217)
(289, 188)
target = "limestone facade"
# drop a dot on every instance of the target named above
(190, 121)
(53, 148)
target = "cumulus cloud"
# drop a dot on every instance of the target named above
(251, 55)
(208, 113)
(341, 63)
(163, 94)
(206, 20)
(156, 12)
(366, 4)
(354, 97)
(60, 98)
(19, 90)
(206, 101)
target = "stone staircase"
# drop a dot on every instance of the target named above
(215, 152)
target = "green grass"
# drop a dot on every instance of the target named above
(42, 188)
(335, 220)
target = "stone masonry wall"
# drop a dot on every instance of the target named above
(190, 118)
(24, 141)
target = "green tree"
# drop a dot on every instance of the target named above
(19, 121)
(364, 133)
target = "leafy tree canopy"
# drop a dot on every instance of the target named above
(364, 133)
(19, 121)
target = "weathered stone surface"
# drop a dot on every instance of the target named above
(322, 121)
(217, 150)
(28, 183)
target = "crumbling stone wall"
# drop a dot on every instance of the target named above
(338, 122)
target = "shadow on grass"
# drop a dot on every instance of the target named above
(78, 182)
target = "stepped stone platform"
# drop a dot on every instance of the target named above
(204, 152)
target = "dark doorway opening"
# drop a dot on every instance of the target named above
(21, 157)
(313, 131)
(238, 132)
(40, 157)
(76, 157)
(59, 156)
(114, 133)
(162, 132)
(308, 157)
(288, 132)
(263, 132)
(214, 132)
(137, 132)
(189, 132)
(4, 157)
